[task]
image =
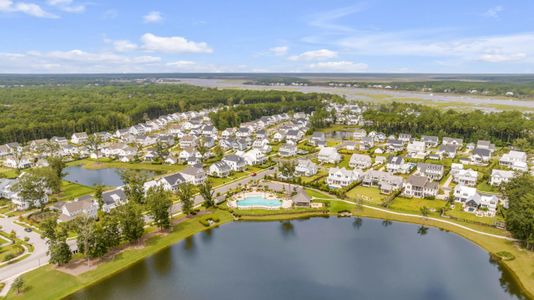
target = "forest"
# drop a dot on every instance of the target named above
(34, 112)
(501, 127)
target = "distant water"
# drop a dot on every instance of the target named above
(107, 177)
(313, 259)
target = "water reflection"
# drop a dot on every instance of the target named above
(507, 281)
(162, 263)
(422, 230)
(207, 235)
(288, 229)
(189, 245)
(386, 223)
(357, 223)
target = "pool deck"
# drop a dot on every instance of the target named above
(233, 203)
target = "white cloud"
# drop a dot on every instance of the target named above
(314, 55)
(31, 9)
(153, 17)
(338, 66)
(279, 51)
(173, 44)
(67, 6)
(124, 45)
(493, 12)
(486, 48)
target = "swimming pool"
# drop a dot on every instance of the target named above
(258, 200)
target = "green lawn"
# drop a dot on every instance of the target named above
(8, 173)
(319, 174)
(369, 194)
(216, 181)
(317, 194)
(70, 190)
(414, 205)
(459, 213)
(486, 187)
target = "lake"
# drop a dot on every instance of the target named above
(89, 177)
(313, 259)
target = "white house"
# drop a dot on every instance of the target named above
(305, 167)
(253, 157)
(79, 138)
(236, 163)
(219, 169)
(467, 177)
(516, 160)
(417, 148)
(500, 176)
(194, 175)
(329, 155)
(81, 206)
(360, 161)
(341, 177)
(420, 187)
(287, 150)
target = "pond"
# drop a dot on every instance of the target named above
(313, 259)
(90, 177)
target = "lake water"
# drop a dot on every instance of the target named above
(89, 177)
(313, 259)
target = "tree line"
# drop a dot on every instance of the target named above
(500, 127)
(35, 112)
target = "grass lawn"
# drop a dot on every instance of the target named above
(71, 190)
(10, 251)
(369, 194)
(459, 213)
(486, 187)
(319, 174)
(104, 164)
(216, 181)
(317, 194)
(414, 205)
(8, 173)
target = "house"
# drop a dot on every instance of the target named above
(467, 177)
(169, 182)
(243, 132)
(82, 206)
(384, 180)
(405, 137)
(431, 171)
(395, 145)
(481, 144)
(209, 130)
(360, 161)
(38, 145)
(236, 163)
(318, 138)
(254, 157)
(453, 142)
(448, 150)
(420, 187)
(294, 135)
(188, 153)
(329, 155)
(15, 162)
(366, 143)
(59, 140)
(480, 156)
(500, 176)
(79, 138)
(359, 134)
(279, 136)
(516, 160)
(396, 164)
(417, 147)
(301, 199)
(187, 141)
(341, 177)
(219, 169)
(430, 141)
(305, 167)
(194, 175)
(287, 150)
(474, 201)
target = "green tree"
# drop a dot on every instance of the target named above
(93, 144)
(99, 190)
(206, 191)
(18, 284)
(425, 211)
(32, 189)
(159, 204)
(161, 150)
(57, 164)
(520, 214)
(131, 221)
(185, 194)
(133, 188)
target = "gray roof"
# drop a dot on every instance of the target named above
(174, 179)
(109, 195)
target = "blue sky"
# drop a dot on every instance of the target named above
(95, 36)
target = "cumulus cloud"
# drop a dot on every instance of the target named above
(173, 44)
(279, 51)
(124, 45)
(486, 48)
(338, 66)
(67, 5)
(314, 55)
(31, 9)
(153, 17)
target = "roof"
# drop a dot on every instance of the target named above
(111, 197)
(174, 179)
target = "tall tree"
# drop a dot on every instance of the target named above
(131, 221)
(31, 189)
(207, 192)
(185, 194)
(93, 144)
(57, 164)
(159, 204)
(520, 214)
(134, 181)
(99, 190)
(161, 150)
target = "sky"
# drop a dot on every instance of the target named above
(382, 36)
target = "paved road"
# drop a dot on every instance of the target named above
(36, 259)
